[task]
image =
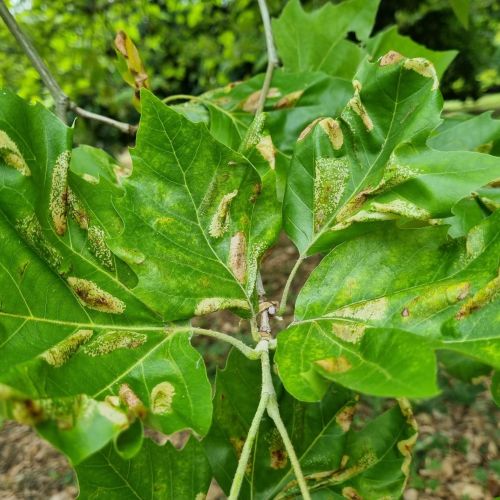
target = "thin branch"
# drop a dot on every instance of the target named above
(127, 128)
(488, 102)
(272, 56)
(61, 100)
(242, 347)
(286, 290)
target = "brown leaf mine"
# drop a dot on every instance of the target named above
(59, 192)
(162, 396)
(339, 364)
(94, 297)
(59, 354)
(423, 67)
(238, 256)
(111, 341)
(392, 57)
(11, 154)
(334, 132)
(220, 220)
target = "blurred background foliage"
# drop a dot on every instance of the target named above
(190, 46)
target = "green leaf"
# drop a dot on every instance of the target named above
(370, 314)
(314, 41)
(495, 387)
(462, 367)
(320, 433)
(156, 472)
(473, 134)
(461, 8)
(72, 318)
(390, 39)
(370, 165)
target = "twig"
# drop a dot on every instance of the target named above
(242, 347)
(267, 402)
(61, 100)
(127, 128)
(488, 102)
(272, 56)
(286, 290)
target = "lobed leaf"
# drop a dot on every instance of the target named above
(349, 175)
(370, 314)
(334, 458)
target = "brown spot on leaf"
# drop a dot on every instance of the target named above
(308, 129)
(162, 397)
(11, 154)
(289, 100)
(111, 341)
(481, 298)
(344, 417)
(58, 203)
(423, 67)
(335, 364)
(266, 148)
(238, 256)
(392, 57)
(59, 354)
(251, 103)
(132, 401)
(94, 297)
(334, 132)
(220, 220)
(350, 493)
(77, 210)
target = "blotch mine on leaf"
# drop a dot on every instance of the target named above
(59, 192)
(254, 133)
(207, 306)
(392, 57)
(277, 453)
(162, 396)
(435, 300)
(476, 242)
(59, 354)
(350, 493)
(402, 208)
(77, 210)
(394, 175)
(487, 294)
(266, 148)
(132, 401)
(423, 67)
(405, 447)
(113, 414)
(331, 176)
(251, 103)
(11, 154)
(200, 496)
(357, 106)
(30, 229)
(353, 205)
(334, 132)
(220, 220)
(349, 332)
(238, 256)
(97, 245)
(289, 100)
(308, 129)
(370, 310)
(344, 417)
(94, 297)
(335, 364)
(113, 340)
